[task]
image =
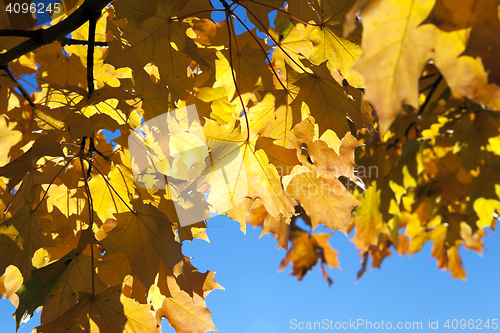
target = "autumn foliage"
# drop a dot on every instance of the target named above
(386, 130)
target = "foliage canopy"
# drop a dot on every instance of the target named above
(388, 129)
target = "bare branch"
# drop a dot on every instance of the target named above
(34, 34)
(56, 32)
(90, 52)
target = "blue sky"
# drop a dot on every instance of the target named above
(259, 299)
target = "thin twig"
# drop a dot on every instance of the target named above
(274, 40)
(429, 96)
(265, 53)
(283, 11)
(90, 51)
(228, 22)
(20, 87)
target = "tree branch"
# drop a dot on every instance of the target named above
(56, 32)
(34, 34)
(429, 96)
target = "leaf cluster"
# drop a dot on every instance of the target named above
(387, 130)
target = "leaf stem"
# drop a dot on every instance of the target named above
(429, 96)
(93, 268)
(229, 24)
(91, 207)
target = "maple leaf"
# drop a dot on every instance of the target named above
(112, 192)
(402, 52)
(280, 132)
(77, 277)
(21, 236)
(247, 64)
(327, 101)
(323, 196)
(9, 136)
(113, 268)
(155, 242)
(293, 46)
(307, 250)
(108, 311)
(142, 42)
(184, 312)
(368, 220)
(10, 282)
(260, 217)
(33, 293)
(60, 69)
(340, 53)
(45, 145)
(484, 39)
(226, 142)
(272, 117)
(328, 153)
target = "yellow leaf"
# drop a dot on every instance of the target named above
(185, 313)
(329, 153)
(328, 102)
(486, 208)
(368, 220)
(10, 282)
(9, 137)
(294, 46)
(111, 193)
(146, 237)
(324, 198)
(245, 172)
(248, 67)
(64, 294)
(157, 39)
(307, 250)
(340, 53)
(108, 311)
(393, 61)
(113, 268)
(21, 236)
